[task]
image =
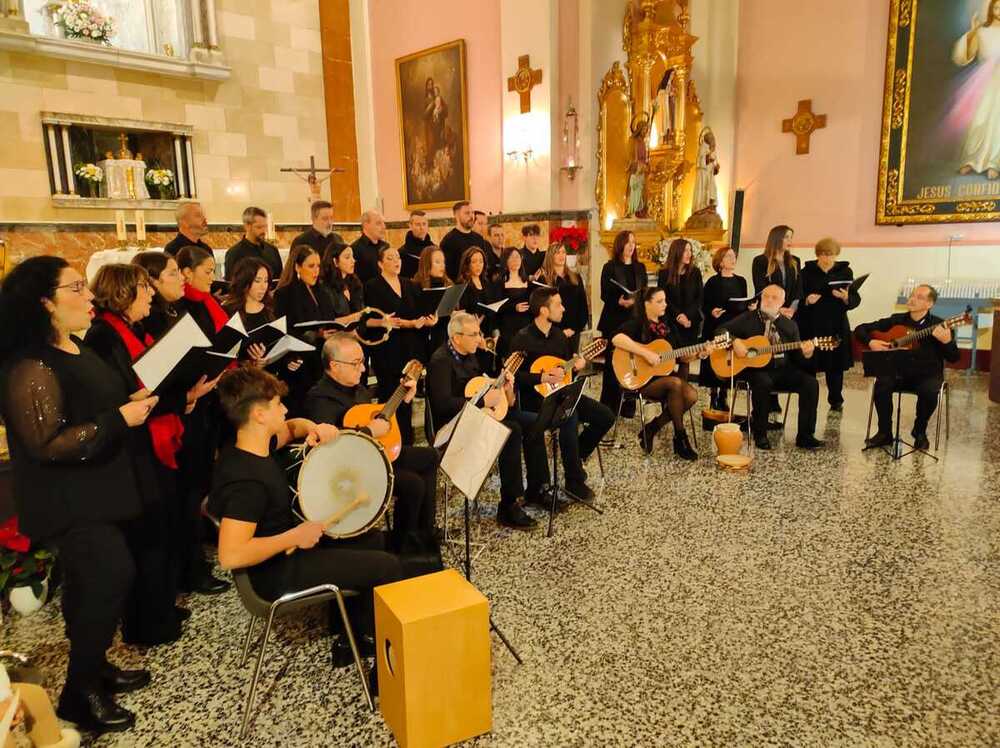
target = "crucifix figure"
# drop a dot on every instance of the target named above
(523, 81)
(312, 179)
(803, 125)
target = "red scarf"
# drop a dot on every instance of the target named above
(216, 312)
(166, 429)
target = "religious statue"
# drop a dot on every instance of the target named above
(665, 101)
(976, 110)
(706, 195)
(639, 163)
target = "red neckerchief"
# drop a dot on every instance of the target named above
(167, 429)
(658, 329)
(216, 312)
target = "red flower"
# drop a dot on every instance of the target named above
(18, 570)
(11, 538)
(571, 236)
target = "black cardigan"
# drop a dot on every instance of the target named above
(633, 277)
(792, 282)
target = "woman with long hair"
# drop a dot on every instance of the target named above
(472, 270)
(68, 416)
(558, 274)
(675, 395)
(123, 296)
(514, 315)
(168, 284)
(682, 282)
(777, 265)
(623, 277)
(337, 274)
(431, 273)
(718, 309)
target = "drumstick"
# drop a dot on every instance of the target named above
(334, 518)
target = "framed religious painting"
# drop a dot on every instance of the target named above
(940, 157)
(433, 126)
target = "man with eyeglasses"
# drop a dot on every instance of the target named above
(450, 368)
(415, 469)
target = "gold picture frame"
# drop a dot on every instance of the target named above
(923, 145)
(432, 101)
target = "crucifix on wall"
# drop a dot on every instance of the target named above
(803, 125)
(313, 180)
(523, 81)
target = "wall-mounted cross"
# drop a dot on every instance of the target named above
(523, 81)
(313, 180)
(803, 125)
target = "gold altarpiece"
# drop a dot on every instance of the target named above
(654, 90)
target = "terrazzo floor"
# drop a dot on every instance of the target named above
(822, 599)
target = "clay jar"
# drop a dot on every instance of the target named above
(728, 438)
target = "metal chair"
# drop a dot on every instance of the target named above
(944, 405)
(261, 609)
(640, 405)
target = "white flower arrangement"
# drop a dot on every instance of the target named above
(160, 177)
(89, 172)
(701, 258)
(81, 20)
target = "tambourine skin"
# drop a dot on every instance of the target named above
(336, 474)
(373, 312)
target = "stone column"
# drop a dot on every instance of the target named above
(69, 160)
(12, 16)
(212, 37)
(198, 43)
(192, 186)
(57, 178)
(181, 182)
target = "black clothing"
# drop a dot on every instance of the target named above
(828, 316)
(301, 303)
(929, 354)
(791, 282)
(250, 488)
(366, 257)
(161, 318)
(532, 261)
(684, 297)
(455, 243)
(788, 372)
(493, 270)
(403, 345)
(180, 241)
(614, 315)
(447, 375)
(510, 321)
(200, 314)
(342, 305)
(317, 241)
(597, 419)
(718, 291)
(409, 253)
(245, 248)
(576, 316)
(473, 297)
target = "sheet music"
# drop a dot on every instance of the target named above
(473, 449)
(236, 323)
(623, 288)
(158, 361)
(495, 306)
(450, 300)
(287, 344)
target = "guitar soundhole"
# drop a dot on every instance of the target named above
(751, 352)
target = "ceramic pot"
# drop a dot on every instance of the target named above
(23, 600)
(728, 438)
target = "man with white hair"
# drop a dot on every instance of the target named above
(367, 246)
(191, 226)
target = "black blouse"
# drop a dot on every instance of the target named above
(717, 294)
(633, 277)
(574, 298)
(684, 297)
(791, 282)
(301, 303)
(403, 344)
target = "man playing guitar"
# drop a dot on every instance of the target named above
(450, 368)
(786, 372)
(930, 353)
(544, 337)
(415, 485)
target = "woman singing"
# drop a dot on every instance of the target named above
(338, 276)
(559, 275)
(513, 316)
(68, 417)
(674, 394)
(431, 274)
(718, 309)
(682, 282)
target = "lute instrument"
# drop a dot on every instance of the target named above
(477, 387)
(634, 372)
(545, 364)
(901, 336)
(362, 415)
(760, 353)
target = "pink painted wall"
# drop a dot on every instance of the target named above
(400, 27)
(832, 52)
(572, 194)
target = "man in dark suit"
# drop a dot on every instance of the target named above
(321, 233)
(191, 226)
(253, 244)
(367, 246)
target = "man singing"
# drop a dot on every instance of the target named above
(321, 233)
(460, 238)
(191, 226)
(253, 244)
(416, 239)
(368, 246)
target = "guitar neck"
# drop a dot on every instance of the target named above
(690, 350)
(393, 403)
(782, 347)
(917, 335)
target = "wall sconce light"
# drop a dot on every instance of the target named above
(571, 143)
(526, 154)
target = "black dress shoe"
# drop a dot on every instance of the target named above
(920, 441)
(775, 426)
(808, 442)
(646, 436)
(512, 515)
(209, 585)
(116, 680)
(93, 709)
(761, 442)
(836, 407)
(881, 439)
(580, 491)
(182, 613)
(683, 448)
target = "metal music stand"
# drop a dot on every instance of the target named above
(556, 410)
(892, 365)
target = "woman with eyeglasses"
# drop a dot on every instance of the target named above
(123, 295)
(68, 418)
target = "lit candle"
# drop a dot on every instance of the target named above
(120, 225)
(140, 226)
(270, 228)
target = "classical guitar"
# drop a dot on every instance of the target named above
(634, 372)
(544, 364)
(726, 364)
(477, 387)
(901, 336)
(362, 415)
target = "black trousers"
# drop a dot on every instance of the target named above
(150, 616)
(415, 487)
(97, 574)
(611, 391)
(575, 446)
(788, 378)
(927, 388)
(509, 463)
(835, 386)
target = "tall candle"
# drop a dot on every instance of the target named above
(120, 225)
(140, 226)
(270, 228)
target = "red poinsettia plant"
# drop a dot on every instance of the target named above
(20, 566)
(572, 237)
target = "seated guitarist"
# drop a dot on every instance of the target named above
(450, 368)
(675, 395)
(415, 469)
(544, 337)
(786, 372)
(930, 354)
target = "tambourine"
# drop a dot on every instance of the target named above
(370, 312)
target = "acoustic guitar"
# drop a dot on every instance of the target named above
(361, 416)
(477, 387)
(901, 336)
(760, 352)
(545, 364)
(634, 372)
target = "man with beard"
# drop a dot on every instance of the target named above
(253, 244)
(368, 246)
(479, 223)
(495, 252)
(321, 233)
(416, 239)
(460, 238)
(191, 226)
